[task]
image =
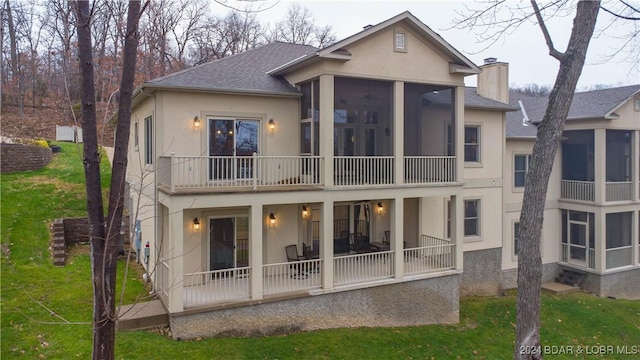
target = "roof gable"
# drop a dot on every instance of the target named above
(458, 63)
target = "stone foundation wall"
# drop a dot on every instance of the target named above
(18, 157)
(509, 278)
(420, 302)
(482, 272)
(624, 284)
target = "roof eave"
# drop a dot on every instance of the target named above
(619, 105)
(460, 69)
(293, 64)
(499, 108)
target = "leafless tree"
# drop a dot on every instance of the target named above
(104, 234)
(298, 27)
(494, 20)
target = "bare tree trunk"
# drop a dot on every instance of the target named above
(549, 132)
(104, 239)
(102, 313)
(13, 44)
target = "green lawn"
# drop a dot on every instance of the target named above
(46, 310)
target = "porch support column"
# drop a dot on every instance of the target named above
(600, 241)
(398, 133)
(600, 165)
(326, 244)
(635, 237)
(397, 236)
(326, 127)
(256, 220)
(459, 133)
(457, 229)
(175, 292)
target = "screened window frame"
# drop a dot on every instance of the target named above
(527, 161)
(148, 140)
(477, 145)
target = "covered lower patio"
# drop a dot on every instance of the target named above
(242, 254)
(210, 287)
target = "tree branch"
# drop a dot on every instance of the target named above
(547, 37)
(618, 15)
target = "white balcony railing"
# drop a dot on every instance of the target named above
(618, 257)
(214, 286)
(238, 171)
(363, 170)
(163, 278)
(434, 254)
(577, 190)
(619, 191)
(291, 276)
(363, 267)
(429, 169)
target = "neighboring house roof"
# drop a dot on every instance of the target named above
(459, 64)
(474, 101)
(243, 72)
(595, 104)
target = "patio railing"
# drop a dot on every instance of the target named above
(577, 190)
(238, 171)
(429, 169)
(619, 191)
(218, 285)
(363, 170)
(363, 267)
(434, 254)
(291, 276)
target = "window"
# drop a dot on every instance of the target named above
(471, 218)
(310, 118)
(399, 41)
(520, 168)
(471, 144)
(136, 136)
(148, 141)
(516, 238)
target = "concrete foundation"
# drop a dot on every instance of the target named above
(623, 285)
(420, 302)
(509, 278)
(481, 274)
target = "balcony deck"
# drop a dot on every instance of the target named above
(228, 174)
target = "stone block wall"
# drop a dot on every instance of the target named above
(419, 302)
(18, 157)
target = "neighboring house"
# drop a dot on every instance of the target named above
(294, 188)
(592, 218)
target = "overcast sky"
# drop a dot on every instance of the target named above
(524, 49)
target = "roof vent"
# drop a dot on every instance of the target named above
(367, 26)
(490, 60)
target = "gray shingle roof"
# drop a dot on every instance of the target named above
(245, 71)
(475, 101)
(585, 105)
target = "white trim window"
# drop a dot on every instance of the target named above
(472, 218)
(472, 144)
(520, 169)
(136, 136)
(148, 140)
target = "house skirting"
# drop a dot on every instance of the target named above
(420, 302)
(481, 274)
(622, 284)
(510, 276)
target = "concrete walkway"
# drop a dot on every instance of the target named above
(143, 315)
(110, 151)
(558, 288)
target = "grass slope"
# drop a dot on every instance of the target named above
(34, 292)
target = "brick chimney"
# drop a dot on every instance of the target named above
(493, 81)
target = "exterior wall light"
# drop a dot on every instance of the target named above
(272, 219)
(380, 208)
(196, 224)
(196, 123)
(272, 125)
(305, 211)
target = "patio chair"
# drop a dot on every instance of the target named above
(295, 266)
